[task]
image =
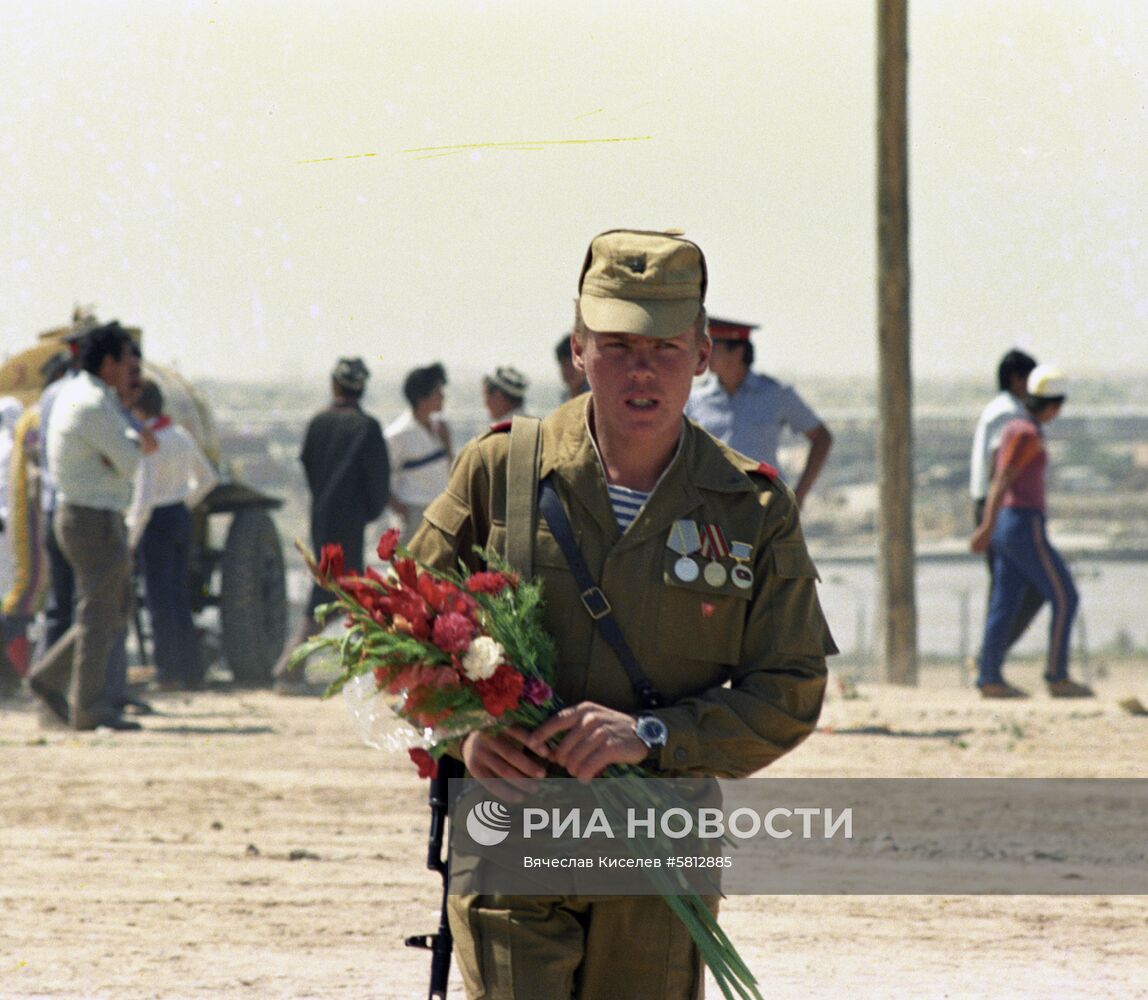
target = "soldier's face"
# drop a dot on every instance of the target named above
(640, 384)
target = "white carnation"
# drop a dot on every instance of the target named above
(482, 658)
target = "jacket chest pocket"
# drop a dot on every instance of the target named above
(702, 610)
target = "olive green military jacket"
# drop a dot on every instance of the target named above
(742, 666)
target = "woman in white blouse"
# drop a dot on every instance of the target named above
(419, 447)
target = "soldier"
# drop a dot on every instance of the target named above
(701, 554)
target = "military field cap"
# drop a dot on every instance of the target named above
(509, 380)
(636, 281)
(729, 329)
(351, 374)
(1047, 382)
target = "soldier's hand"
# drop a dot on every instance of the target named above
(500, 764)
(593, 737)
(148, 443)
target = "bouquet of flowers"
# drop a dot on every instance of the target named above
(457, 652)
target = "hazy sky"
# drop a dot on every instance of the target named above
(262, 186)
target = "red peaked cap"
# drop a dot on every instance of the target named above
(730, 329)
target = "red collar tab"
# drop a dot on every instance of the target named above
(767, 470)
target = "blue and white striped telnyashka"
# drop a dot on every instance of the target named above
(627, 504)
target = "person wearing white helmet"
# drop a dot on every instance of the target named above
(1014, 524)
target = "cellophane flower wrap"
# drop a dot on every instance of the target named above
(449, 653)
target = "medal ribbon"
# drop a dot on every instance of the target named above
(684, 538)
(714, 545)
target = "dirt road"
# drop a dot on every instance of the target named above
(248, 845)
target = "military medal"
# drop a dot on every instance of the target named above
(683, 540)
(714, 548)
(741, 574)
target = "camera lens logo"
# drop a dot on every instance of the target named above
(488, 823)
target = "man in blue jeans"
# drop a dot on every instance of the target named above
(1014, 523)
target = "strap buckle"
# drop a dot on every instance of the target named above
(595, 603)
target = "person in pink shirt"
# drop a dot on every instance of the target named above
(1014, 523)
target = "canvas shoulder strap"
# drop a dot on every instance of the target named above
(593, 599)
(522, 492)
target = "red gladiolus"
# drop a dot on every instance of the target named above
(487, 583)
(360, 590)
(388, 543)
(501, 692)
(427, 765)
(330, 563)
(407, 572)
(437, 593)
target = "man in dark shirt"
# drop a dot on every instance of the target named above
(348, 473)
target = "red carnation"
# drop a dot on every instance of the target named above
(502, 691)
(487, 583)
(388, 543)
(427, 765)
(452, 632)
(330, 563)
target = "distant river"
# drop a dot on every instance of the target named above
(951, 597)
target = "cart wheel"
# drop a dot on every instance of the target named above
(253, 597)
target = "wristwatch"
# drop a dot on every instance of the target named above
(652, 731)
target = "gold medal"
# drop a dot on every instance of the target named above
(714, 547)
(714, 574)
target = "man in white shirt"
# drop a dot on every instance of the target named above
(93, 453)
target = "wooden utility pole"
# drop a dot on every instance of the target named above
(895, 396)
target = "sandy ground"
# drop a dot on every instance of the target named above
(247, 845)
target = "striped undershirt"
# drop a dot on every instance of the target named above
(627, 504)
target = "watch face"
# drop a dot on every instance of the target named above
(652, 731)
